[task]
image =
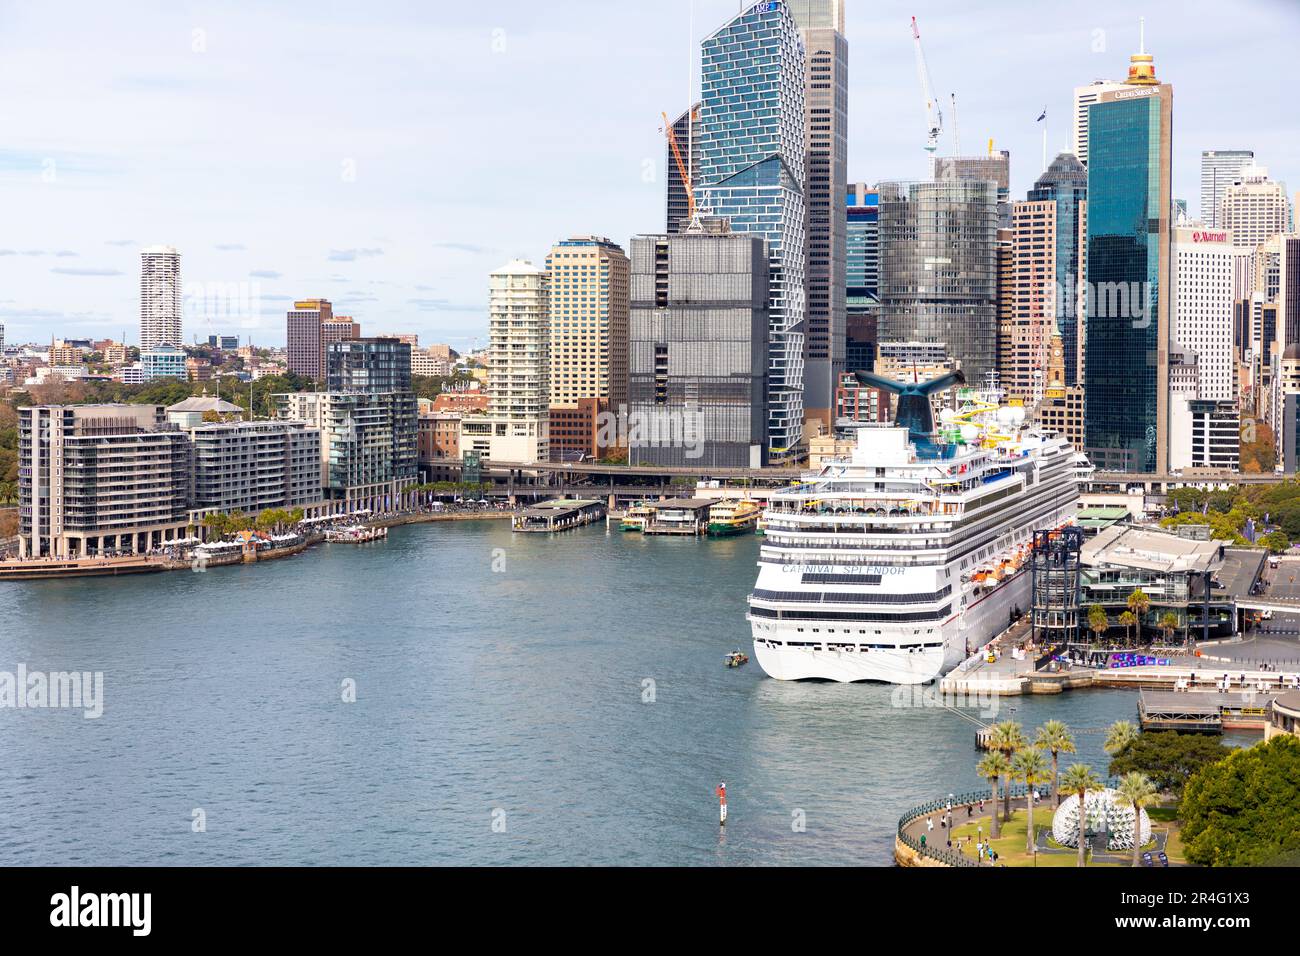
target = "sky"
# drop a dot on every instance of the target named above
(389, 155)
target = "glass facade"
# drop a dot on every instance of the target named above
(862, 277)
(938, 268)
(1066, 183)
(752, 172)
(1126, 352)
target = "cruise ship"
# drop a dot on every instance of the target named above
(897, 562)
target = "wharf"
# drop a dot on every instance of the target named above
(1203, 711)
(560, 514)
(47, 568)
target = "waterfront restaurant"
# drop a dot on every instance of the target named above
(1176, 573)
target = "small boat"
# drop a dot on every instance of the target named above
(736, 658)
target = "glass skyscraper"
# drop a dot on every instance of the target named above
(1066, 183)
(938, 269)
(862, 277)
(752, 172)
(1126, 364)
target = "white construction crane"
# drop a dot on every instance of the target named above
(933, 115)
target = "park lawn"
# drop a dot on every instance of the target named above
(1010, 845)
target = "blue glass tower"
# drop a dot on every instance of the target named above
(751, 157)
(1066, 183)
(1126, 375)
(862, 277)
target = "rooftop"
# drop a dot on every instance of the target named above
(1151, 549)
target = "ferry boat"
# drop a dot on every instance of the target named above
(734, 517)
(898, 562)
(636, 517)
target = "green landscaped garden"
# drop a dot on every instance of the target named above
(1010, 845)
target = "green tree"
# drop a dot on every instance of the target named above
(1168, 626)
(1128, 619)
(1029, 766)
(1137, 790)
(1080, 781)
(993, 767)
(1119, 736)
(1242, 810)
(1055, 737)
(1169, 759)
(1098, 622)
(1139, 604)
(1276, 541)
(1007, 737)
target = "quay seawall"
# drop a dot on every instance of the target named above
(426, 517)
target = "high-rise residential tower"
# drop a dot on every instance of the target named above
(1126, 375)
(160, 297)
(588, 278)
(826, 130)
(938, 269)
(1220, 168)
(752, 142)
(1255, 208)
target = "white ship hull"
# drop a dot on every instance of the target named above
(785, 653)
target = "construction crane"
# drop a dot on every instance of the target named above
(681, 165)
(956, 128)
(933, 115)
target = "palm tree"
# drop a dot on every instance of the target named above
(1120, 735)
(1128, 619)
(1138, 791)
(1079, 780)
(992, 767)
(1030, 768)
(1054, 737)
(1098, 622)
(1007, 737)
(1168, 625)
(1139, 604)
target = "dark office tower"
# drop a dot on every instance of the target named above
(752, 141)
(1126, 364)
(697, 390)
(686, 134)
(826, 129)
(862, 277)
(938, 269)
(1065, 183)
(305, 348)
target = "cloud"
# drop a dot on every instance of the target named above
(351, 255)
(443, 305)
(464, 247)
(64, 271)
(264, 274)
(230, 247)
(119, 242)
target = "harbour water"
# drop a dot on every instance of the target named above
(520, 699)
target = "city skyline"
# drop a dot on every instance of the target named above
(359, 199)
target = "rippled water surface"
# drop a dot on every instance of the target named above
(515, 696)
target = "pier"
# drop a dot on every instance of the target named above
(560, 514)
